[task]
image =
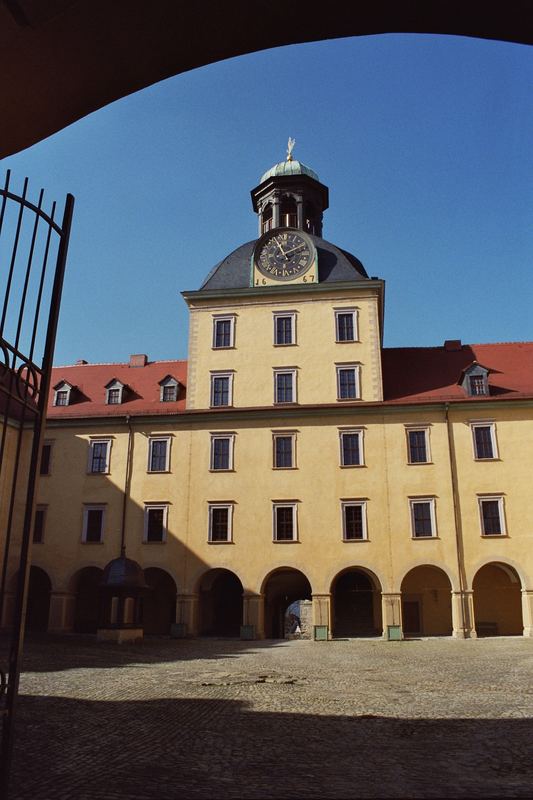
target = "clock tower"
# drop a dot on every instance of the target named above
(289, 202)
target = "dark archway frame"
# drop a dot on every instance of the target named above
(64, 59)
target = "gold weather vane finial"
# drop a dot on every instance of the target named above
(290, 147)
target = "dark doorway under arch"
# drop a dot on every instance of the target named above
(426, 602)
(282, 588)
(498, 601)
(356, 604)
(87, 605)
(38, 602)
(220, 603)
(159, 603)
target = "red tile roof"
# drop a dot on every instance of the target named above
(88, 398)
(432, 373)
(410, 375)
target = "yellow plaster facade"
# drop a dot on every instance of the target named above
(385, 511)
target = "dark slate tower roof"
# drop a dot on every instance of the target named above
(334, 265)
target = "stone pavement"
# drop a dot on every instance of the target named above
(300, 719)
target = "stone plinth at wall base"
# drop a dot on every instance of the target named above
(120, 635)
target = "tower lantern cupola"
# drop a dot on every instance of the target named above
(290, 195)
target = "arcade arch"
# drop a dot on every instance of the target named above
(282, 588)
(159, 602)
(426, 602)
(38, 600)
(497, 601)
(356, 603)
(85, 585)
(220, 603)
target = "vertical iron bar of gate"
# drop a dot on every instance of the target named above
(15, 653)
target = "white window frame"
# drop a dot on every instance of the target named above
(499, 498)
(286, 371)
(347, 504)
(355, 321)
(357, 372)
(151, 440)
(44, 509)
(92, 442)
(418, 429)
(280, 314)
(155, 507)
(359, 432)
(112, 386)
(93, 507)
(284, 435)
(433, 516)
(167, 382)
(224, 318)
(214, 376)
(211, 507)
(484, 424)
(285, 504)
(62, 388)
(214, 437)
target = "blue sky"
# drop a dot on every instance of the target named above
(424, 142)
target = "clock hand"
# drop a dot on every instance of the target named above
(293, 249)
(280, 247)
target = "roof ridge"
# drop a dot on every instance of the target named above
(120, 363)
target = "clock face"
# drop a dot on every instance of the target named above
(284, 254)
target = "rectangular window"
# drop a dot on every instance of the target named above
(158, 454)
(347, 382)
(345, 325)
(221, 390)
(220, 522)
(221, 452)
(169, 393)
(492, 520)
(93, 524)
(353, 520)
(38, 525)
(114, 397)
(417, 445)
(478, 384)
(99, 456)
(62, 397)
(285, 386)
(351, 448)
(285, 522)
(284, 447)
(46, 459)
(223, 328)
(284, 329)
(423, 518)
(484, 441)
(155, 523)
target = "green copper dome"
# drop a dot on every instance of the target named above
(291, 167)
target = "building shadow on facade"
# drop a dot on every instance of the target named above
(168, 748)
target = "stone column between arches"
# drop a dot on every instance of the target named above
(322, 611)
(391, 610)
(253, 612)
(62, 611)
(463, 615)
(527, 611)
(187, 612)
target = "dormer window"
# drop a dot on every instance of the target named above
(62, 393)
(475, 380)
(168, 389)
(114, 393)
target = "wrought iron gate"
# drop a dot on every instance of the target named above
(33, 251)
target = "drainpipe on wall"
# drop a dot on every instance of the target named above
(465, 611)
(127, 482)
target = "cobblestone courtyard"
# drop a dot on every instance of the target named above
(221, 718)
